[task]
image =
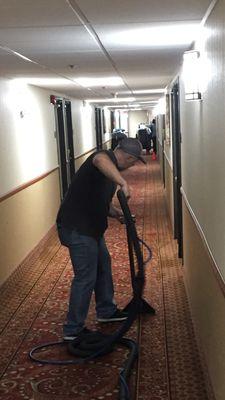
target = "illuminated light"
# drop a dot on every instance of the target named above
(143, 91)
(117, 106)
(205, 60)
(193, 96)
(125, 106)
(191, 74)
(170, 34)
(149, 101)
(99, 82)
(43, 81)
(111, 100)
(149, 91)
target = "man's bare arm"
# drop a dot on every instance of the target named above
(106, 166)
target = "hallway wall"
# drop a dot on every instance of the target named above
(135, 118)
(203, 165)
(27, 143)
(207, 303)
(169, 189)
(203, 138)
(29, 191)
(26, 217)
(168, 164)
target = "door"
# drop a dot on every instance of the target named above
(176, 140)
(112, 120)
(64, 133)
(70, 149)
(103, 123)
(98, 127)
(163, 155)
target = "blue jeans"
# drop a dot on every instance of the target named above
(92, 272)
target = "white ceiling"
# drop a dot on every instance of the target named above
(66, 39)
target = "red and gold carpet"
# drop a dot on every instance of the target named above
(34, 302)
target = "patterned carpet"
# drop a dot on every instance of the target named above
(34, 302)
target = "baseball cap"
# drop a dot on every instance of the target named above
(132, 146)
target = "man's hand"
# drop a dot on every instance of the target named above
(115, 212)
(126, 190)
(122, 219)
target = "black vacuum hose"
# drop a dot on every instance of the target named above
(91, 345)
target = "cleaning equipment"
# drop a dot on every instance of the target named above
(132, 239)
(154, 157)
(89, 345)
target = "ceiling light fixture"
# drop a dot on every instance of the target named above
(148, 102)
(112, 100)
(57, 82)
(100, 82)
(149, 91)
(118, 106)
(171, 34)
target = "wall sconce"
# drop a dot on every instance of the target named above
(191, 71)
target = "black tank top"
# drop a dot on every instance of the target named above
(86, 204)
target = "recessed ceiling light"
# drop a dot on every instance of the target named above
(171, 34)
(112, 100)
(57, 82)
(100, 82)
(149, 91)
(148, 102)
(142, 91)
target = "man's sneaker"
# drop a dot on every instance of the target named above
(71, 336)
(117, 316)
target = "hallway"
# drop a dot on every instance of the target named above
(33, 304)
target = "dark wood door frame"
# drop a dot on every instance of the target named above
(112, 120)
(176, 140)
(71, 164)
(163, 146)
(98, 127)
(64, 134)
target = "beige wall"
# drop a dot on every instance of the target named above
(160, 156)
(169, 189)
(160, 128)
(25, 219)
(207, 302)
(203, 137)
(135, 118)
(80, 160)
(28, 150)
(28, 146)
(203, 188)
